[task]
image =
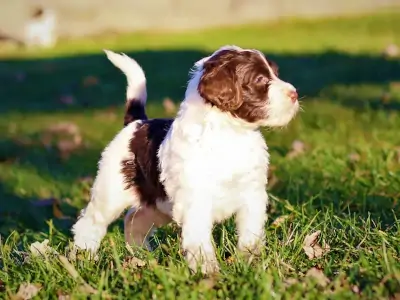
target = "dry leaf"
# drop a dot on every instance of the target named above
(280, 220)
(64, 127)
(2, 284)
(354, 157)
(27, 291)
(396, 296)
(230, 260)
(287, 282)
(41, 248)
(62, 296)
(57, 210)
(298, 148)
(90, 81)
(133, 262)
(169, 106)
(312, 248)
(318, 276)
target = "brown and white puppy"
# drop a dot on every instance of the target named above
(202, 167)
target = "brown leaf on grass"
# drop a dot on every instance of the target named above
(354, 157)
(67, 136)
(41, 248)
(298, 148)
(27, 291)
(230, 260)
(2, 284)
(133, 262)
(169, 106)
(312, 248)
(90, 81)
(64, 127)
(287, 282)
(318, 276)
(57, 210)
(62, 295)
(280, 220)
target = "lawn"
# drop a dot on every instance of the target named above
(343, 181)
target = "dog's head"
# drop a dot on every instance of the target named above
(245, 84)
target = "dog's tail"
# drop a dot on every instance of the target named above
(136, 93)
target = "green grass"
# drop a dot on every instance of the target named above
(346, 184)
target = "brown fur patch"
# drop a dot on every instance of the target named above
(134, 110)
(142, 172)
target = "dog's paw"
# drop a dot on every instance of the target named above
(207, 263)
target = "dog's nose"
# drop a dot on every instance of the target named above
(293, 95)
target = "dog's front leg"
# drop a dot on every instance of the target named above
(195, 211)
(250, 220)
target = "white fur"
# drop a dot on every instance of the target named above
(213, 165)
(136, 78)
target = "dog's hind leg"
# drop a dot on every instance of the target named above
(110, 195)
(141, 223)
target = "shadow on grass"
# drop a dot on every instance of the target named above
(36, 86)
(40, 85)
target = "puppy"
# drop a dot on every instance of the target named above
(202, 167)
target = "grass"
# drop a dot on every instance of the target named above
(346, 184)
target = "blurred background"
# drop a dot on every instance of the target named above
(61, 101)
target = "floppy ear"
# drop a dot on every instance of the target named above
(219, 86)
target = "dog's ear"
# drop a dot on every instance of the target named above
(219, 85)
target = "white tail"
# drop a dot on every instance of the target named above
(136, 90)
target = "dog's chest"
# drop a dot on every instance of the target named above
(221, 160)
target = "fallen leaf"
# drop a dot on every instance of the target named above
(27, 291)
(280, 220)
(90, 81)
(396, 296)
(169, 106)
(2, 284)
(355, 289)
(287, 282)
(354, 157)
(133, 262)
(64, 127)
(312, 248)
(41, 248)
(298, 148)
(57, 210)
(318, 276)
(62, 296)
(230, 260)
